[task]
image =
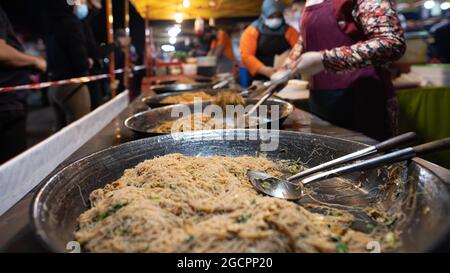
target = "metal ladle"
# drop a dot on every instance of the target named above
(285, 189)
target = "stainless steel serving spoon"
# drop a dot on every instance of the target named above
(286, 189)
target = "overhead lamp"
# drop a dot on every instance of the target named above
(186, 3)
(429, 4)
(179, 17)
(445, 5)
(173, 40)
(174, 31)
(212, 3)
(168, 48)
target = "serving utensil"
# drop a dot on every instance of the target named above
(223, 83)
(285, 189)
(272, 87)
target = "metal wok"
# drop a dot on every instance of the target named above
(143, 123)
(180, 87)
(424, 200)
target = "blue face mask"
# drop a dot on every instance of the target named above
(298, 16)
(81, 11)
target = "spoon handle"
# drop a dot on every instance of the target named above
(271, 90)
(381, 147)
(396, 142)
(397, 156)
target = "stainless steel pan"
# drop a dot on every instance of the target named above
(143, 123)
(419, 194)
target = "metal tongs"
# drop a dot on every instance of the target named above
(271, 87)
(287, 189)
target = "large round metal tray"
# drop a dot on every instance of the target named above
(425, 200)
(143, 123)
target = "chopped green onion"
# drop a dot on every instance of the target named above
(243, 218)
(189, 239)
(390, 221)
(109, 212)
(335, 213)
(341, 247)
(370, 226)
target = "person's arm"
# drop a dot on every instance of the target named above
(9, 56)
(218, 46)
(292, 36)
(297, 49)
(216, 51)
(385, 39)
(249, 44)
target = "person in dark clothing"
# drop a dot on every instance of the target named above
(266, 38)
(15, 69)
(93, 51)
(68, 57)
(122, 42)
(441, 35)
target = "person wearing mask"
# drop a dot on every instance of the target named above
(344, 49)
(15, 68)
(293, 14)
(68, 57)
(221, 47)
(266, 38)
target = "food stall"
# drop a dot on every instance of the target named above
(180, 190)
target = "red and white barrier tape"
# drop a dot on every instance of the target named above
(85, 79)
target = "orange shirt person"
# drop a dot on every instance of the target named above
(222, 48)
(264, 39)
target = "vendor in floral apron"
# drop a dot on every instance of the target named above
(344, 47)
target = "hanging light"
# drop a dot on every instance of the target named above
(168, 48)
(174, 31)
(212, 3)
(186, 3)
(445, 5)
(179, 17)
(173, 40)
(429, 4)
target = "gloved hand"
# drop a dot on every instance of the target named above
(310, 63)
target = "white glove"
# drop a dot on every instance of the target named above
(310, 63)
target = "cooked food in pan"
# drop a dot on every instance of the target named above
(187, 97)
(222, 98)
(198, 122)
(194, 122)
(177, 203)
(225, 98)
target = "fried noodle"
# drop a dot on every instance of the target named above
(177, 203)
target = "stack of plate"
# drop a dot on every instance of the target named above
(295, 90)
